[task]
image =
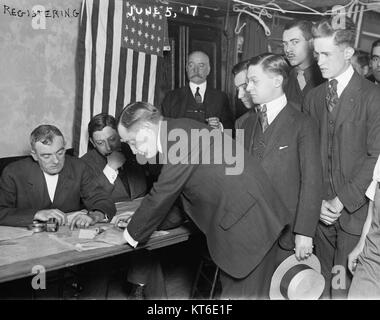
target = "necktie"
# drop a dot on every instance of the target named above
(263, 118)
(198, 97)
(332, 94)
(301, 79)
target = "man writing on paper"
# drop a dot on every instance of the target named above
(50, 185)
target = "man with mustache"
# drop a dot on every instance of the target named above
(198, 100)
(298, 48)
(375, 62)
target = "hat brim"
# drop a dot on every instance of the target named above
(289, 262)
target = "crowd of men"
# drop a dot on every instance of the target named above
(311, 140)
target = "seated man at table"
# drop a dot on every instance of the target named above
(123, 179)
(51, 184)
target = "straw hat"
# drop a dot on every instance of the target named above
(297, 280)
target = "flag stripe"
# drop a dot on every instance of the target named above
(152, 79)
(117, 25)
(108, 58)
(140, 76)
(94, 28)
(134, 73)
(81, 51)
(145, 80)
(101, 41)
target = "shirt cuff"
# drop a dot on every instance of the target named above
(129, 239)
(110, 174)
(371, 190)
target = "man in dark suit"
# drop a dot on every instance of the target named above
(235, 207)
(348, 114)
(123, 179)
(50, 185)
(375, 62)
(198, 100)
(285, 142)
(298, 48)
(112, 162)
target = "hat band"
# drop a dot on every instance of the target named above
(288, 276)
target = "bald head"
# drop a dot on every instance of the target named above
(198, 67)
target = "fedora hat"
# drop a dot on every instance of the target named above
(297, 280)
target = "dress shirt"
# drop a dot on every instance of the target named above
(274, 107)
(202, 89)
(51, 182)
(375, 180)
(110, 174)
(344, 79)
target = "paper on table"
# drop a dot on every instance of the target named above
(10, 233)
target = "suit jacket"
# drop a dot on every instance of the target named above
(313, 77)
(293, 163)
(356, 146)
(240, 215)
(372, 78)
(215, 102)
(133, 178)
(23, 191)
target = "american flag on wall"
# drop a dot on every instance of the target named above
(118, 57)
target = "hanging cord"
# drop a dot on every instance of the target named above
(255, 16)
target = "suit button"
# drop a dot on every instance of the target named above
(331, 122)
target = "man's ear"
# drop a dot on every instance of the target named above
(33, 154)
(278, 80)
(348, 53)
(92, 142)
(365, 70)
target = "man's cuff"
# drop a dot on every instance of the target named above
(129, 239)
(110, 174)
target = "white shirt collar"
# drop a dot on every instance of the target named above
(159, 145)
(275, 106)
(202, 88)
(51, 183)
(343, 79)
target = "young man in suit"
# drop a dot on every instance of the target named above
(123, 179)
(298, 48)
(244, 101)
(375, 62)
(49, 185)
(346, 108)
(238, 211)
(285, 142)
(198, 100)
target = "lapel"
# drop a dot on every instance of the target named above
(65, 181)
(249, 134)
(284, 124)
(38, 194)
(208, 101)
(347, 100)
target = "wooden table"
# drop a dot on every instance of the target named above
(21, 269)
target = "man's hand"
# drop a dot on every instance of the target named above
(329, 212)
(96, 216)
(214, 122)
(81, 221)
(112, 236)
(116, 160)
(45, 215)
(125, 217)
(353, 257)
(304, 247)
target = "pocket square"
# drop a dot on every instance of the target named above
(283, 147)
